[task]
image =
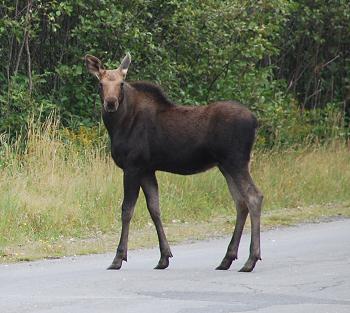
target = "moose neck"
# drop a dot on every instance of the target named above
(119, 120)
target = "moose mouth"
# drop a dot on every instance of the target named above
(111, 108)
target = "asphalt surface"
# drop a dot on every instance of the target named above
(304, 269)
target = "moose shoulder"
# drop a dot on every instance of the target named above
(149, 132)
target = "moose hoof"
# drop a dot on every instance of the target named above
(116, 265)
(162, 264)
(223, 267)
(246, 269)
(248, 266)
(225, 264)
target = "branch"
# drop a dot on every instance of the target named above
(20, 54)
(29, 61)
(224, 69)
(29, 64)
(26, 44)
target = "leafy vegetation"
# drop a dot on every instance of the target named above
(277, 57)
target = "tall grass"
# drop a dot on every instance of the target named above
(51, 188)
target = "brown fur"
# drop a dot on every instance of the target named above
(149, 133)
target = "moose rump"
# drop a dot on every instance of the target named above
(150, 133)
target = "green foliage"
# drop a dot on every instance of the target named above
(315, 55)
(277, 57)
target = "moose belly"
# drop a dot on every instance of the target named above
(186, 163)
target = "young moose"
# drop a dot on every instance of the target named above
(148, 132)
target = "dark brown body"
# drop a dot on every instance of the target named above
(178, 139)
(149, 133)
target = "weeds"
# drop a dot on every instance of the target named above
(51, 190)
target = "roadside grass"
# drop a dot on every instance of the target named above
(59, 199)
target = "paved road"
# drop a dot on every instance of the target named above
(304, 269)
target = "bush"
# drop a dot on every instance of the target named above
(254, 52)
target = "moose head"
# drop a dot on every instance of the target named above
(110, 81)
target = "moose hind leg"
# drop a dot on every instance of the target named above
(150, 188)
(242, 212)
(131, 192)
(253, 198)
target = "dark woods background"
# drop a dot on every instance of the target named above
(289, 61)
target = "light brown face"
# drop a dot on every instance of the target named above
(110, 81)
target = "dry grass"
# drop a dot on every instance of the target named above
(53, 195)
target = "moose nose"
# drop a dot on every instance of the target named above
(111, 104)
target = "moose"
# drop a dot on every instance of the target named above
(149, 133)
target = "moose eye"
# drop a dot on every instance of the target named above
(122, 84)
(100, 86)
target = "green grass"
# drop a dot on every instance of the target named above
(58, 199)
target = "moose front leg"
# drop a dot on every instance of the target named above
(150, 188)
(131, 192)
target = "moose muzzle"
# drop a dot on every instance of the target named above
(111, 104)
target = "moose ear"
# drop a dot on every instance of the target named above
(123, 67)
(94, 65)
